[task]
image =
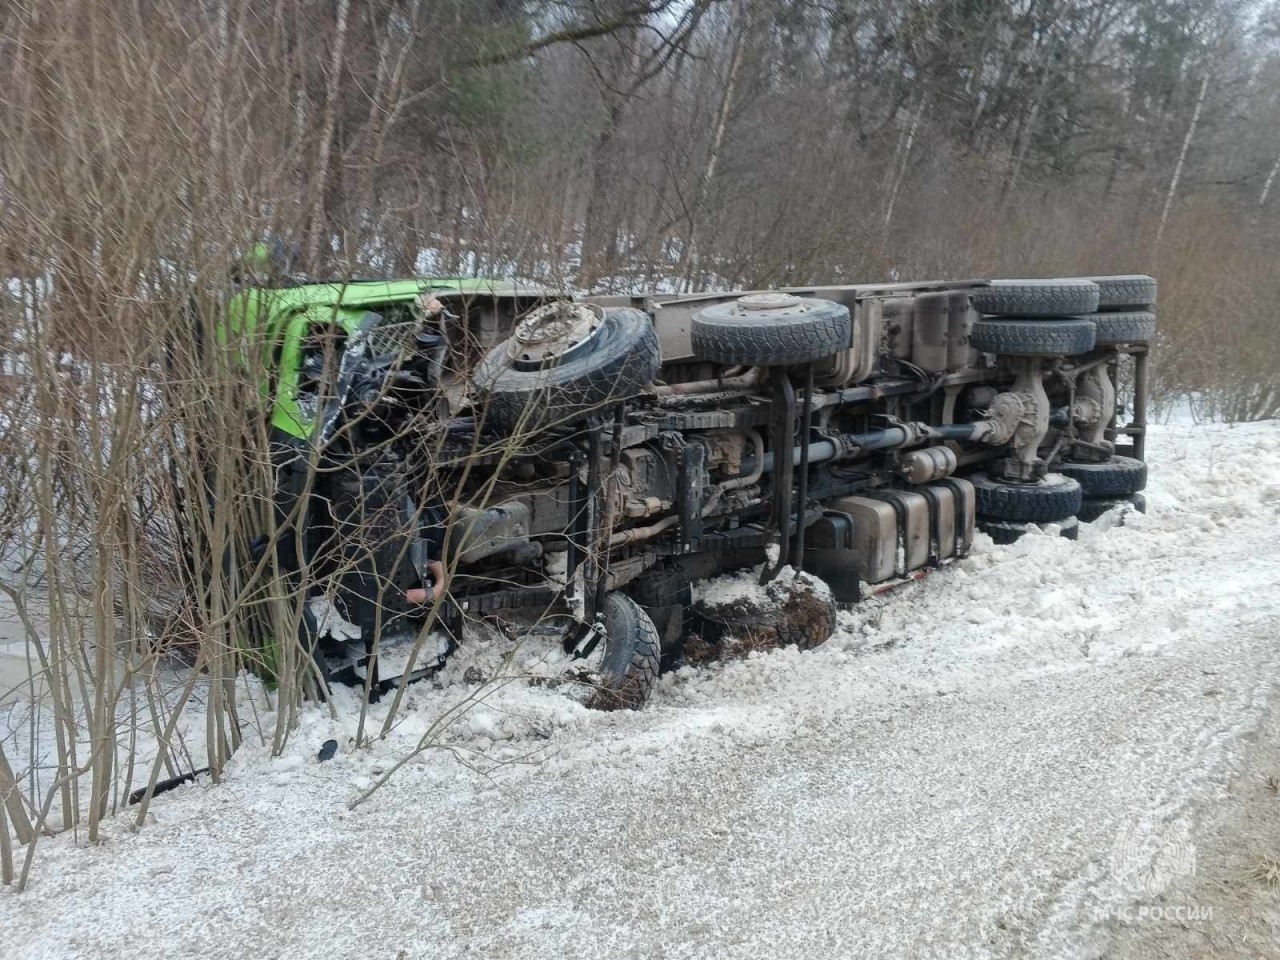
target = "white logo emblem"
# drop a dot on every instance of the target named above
(1147, 857)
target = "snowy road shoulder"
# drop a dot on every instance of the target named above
(994, 762)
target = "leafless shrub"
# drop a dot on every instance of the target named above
(139, 467)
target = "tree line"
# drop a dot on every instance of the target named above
(616, 145)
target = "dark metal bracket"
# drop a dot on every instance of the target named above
(782, 434)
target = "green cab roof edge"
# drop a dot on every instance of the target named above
(279, 315)
(282, 301)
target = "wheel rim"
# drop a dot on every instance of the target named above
(553, 334)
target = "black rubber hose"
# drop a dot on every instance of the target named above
(784, 434)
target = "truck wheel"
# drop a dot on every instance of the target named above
(1095, 508)
(1005, 532)
(1037, 298)
(1117, 477)
(664, 595)
(1124, 327)
(1054, 498)
(531, 390)
(628, 668)
(1129, 292)
(790, 614)
(771, 329)
(1033, 338)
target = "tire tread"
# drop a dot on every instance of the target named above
(1117, 477)
(1033, 337)
(1124, 326)
(1127, 292)
(549, 399)
(1036, 298)
(1026, 503)
(635, 652)
(771, 341)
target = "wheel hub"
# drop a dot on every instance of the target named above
(552, 333)
(774, 302)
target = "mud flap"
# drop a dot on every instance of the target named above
(829, 555)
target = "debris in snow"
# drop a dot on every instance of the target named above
(739, 615)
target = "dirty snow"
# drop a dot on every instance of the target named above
(952, 775)
(743, 587)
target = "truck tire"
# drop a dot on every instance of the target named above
(1096, 507)
(1037, 298)
(1033, 338)
(628, 670)
(793, 616)
(1129, 292)
(1124, 327)
(750, 331)
(1117, 477)
(615, 364)
(1054, 498)
(1005, 532)
(664, 595)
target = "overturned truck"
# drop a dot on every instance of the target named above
(453, 449)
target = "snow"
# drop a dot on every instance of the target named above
(743, 587)
(950, 775)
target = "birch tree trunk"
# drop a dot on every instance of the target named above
(902, 166)
(713, 153)
(1266, 187)
(1182, 158)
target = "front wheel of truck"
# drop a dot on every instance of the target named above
(624, 661)
(566, 362)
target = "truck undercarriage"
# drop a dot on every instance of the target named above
(580, 470)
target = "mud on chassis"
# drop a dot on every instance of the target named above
(861, 430)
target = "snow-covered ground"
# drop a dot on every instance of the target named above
(1003, 760)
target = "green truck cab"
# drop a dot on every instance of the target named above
(288, 324)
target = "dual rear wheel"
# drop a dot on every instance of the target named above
(1054, 318)
(1079, 492)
